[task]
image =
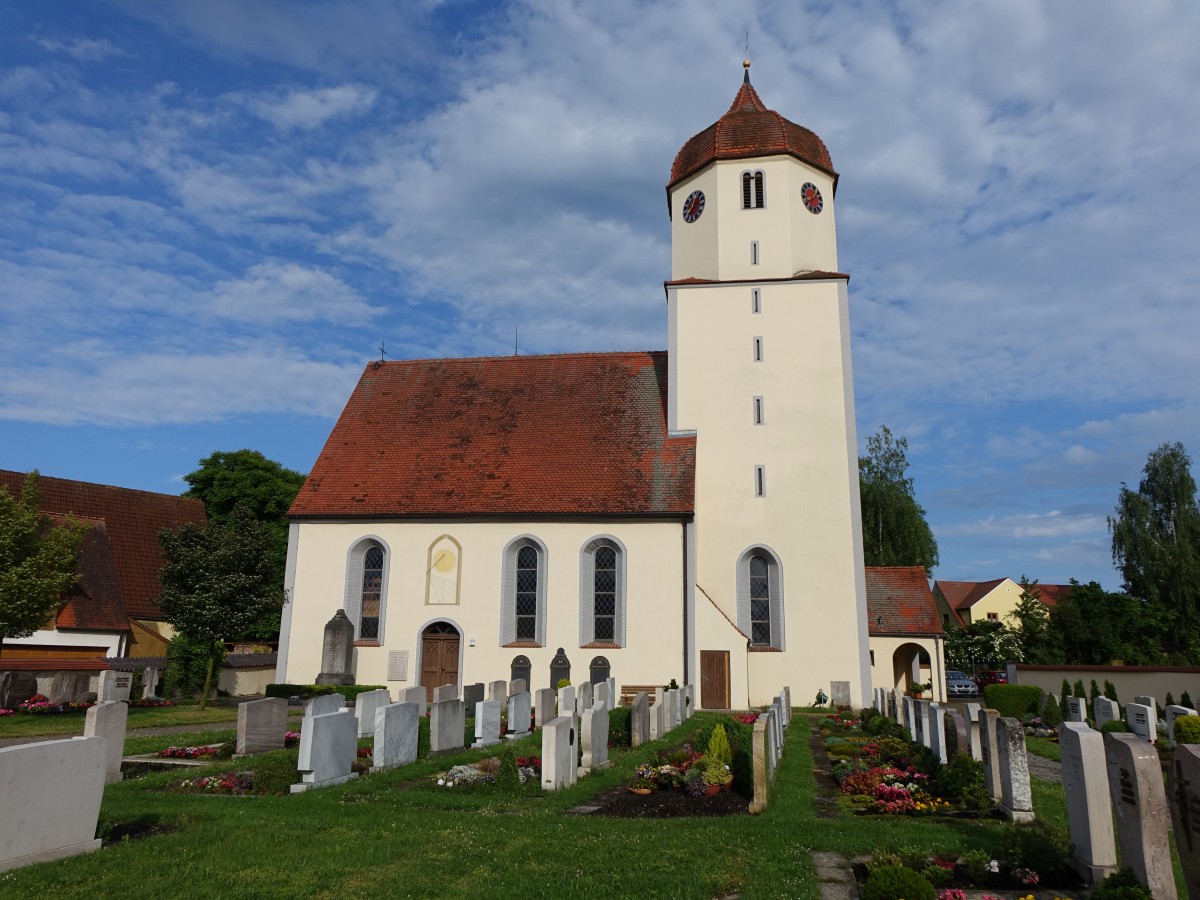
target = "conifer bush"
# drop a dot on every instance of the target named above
(897, 883)
(1187, 730)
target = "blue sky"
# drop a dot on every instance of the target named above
(214, 213)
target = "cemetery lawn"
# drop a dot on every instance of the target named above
(1043, 747)
(185, 713)
(398, 834)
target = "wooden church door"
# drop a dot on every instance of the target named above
(439, 657)
(714, 679)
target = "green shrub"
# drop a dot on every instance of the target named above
(1012, 700)
(1187, 730)
(897, 883)
(1121, 885)
(866, 714)
(1185, 699)
(842, 750)
(187, 666)
(960, 780)
(1168, 700)
(1079, 691)
(1110, 691)
(741, 746)
(718, 747)
(1044, 849)
(562, 683)
(507, 777)
(1115, 725)
(1051, 715)
(274, 772)
(1063, 693)
(1093, 694)
(620, 725)
(975, 863)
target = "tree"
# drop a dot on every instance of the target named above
(217, 581)
(1031, 621)
(1156, 545)
(37, 561)
(1092, 626)
(986, 643)
(266, 489)
(895, 532)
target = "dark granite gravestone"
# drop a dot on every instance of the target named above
(16, 688)
(560, 668)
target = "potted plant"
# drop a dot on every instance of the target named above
(917, 689)
(641, 786)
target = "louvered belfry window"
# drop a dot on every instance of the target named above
(753, 190)
(372, 589)
(527, 591)
(605, 580)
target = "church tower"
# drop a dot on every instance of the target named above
(759, 369)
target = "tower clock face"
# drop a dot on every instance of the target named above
(693, 206)
(812, 197)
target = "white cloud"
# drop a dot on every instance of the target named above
(276, 291)
(309, 109)
(1053, 524)
(84, 49)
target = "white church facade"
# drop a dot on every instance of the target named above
(690, 514)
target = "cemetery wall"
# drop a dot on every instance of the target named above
(1130, 681)
(246, 682)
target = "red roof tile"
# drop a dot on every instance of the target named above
(899, 601)
(965, 594)
(571, 434)
(1053, 594)
(749, 129)
(132, 520)
(95, 602)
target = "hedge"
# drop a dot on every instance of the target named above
(1013, 700)
(1187, 730)
(308, 691)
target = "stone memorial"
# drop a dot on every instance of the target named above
(337, 650)
(1184, 793)
(896, 706)
(543, 706)
(839, 693)
(396, 728)
(107, 719)
(1172, 713)
(671, 709)
(921, 711)
(957, 737)
(971, 715)
(365, 705)
(910, 718)
(498, 691)
(114, 686)
(600, 694)
(68, 687)
(613, 697)
(447, 726)
(473, 695)
(51, 794)
(989, 751)
(1142, 719)
(1076, 710)
(328, 748)
(149, 682)
(261, 725)
(560, 768)
(16, 688)
(1105, 710)
(323, 704)
(689, 701)
(594, 734)
(518, 686)
(761, 765)
(1146, 700)
(639, 719)
(417, 695)
(487, 723)
(566, 700)
(1016, 796)
(658, 720)
(1089, 806)
(1140, 803)
(583, 698)
(445, 692)
(518, 715)
(935, 730)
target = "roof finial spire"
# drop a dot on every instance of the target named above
(746, 60)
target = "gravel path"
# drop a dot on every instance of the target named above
(1045, 769)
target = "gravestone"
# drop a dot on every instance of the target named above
(688, 698)
(583, 698)
(1105, 710)
(614, 699)
(68, 687)
(447, 726)
(896, 706)
(1016, 797)
(839, 693)
(543, 706)
(1184, 792)
(1076, 710)
(910, 717)
(761, 765)
(518, 715)
(261, 725)
(473, 695)
(1172, 713)
(594, 729)
(498, 691)
(639, 720)
(417, 695)
(107, 719)
(1142, 719)
(671, 698)
(149, 682)
(445, 692)
(566, 700)
(1146, 700)
(600, 694)
(1089, 806)
(957, 738)
(365, 705)
(396, 728)
(328, 748)
(658, 720)
(323, 704)
(16, 688)
(487, 723)
(114, 686)
(1140, 803)
(971, 715)
(921, 711)
(989, 751)
(518, 686)
(337, 650)
(51, 794)
(936, 730)
(559, 753)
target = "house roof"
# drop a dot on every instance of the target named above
(1053, 594)
(95, 603)
(747, 130)
(131, 519)
(568, 434)
(965, 594)
(899, 601)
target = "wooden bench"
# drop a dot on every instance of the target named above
(629, 691)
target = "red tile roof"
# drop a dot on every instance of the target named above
(899, 601)
(965, 594)
(95, 602)
(749, 129)
(132, 520)
(1053, 594)
(570, 434)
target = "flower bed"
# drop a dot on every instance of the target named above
(225, 783)
(484, 772)
(6, 712)
(149, 703)
(39, 705)
(189, 752)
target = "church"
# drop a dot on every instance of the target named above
(690, 514)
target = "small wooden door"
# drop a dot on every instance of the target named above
(439, 657)
(714, 679)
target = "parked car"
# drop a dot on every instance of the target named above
(991, 676)
(960, 684)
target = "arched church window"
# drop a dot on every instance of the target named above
(760, 598)
(366, 588)
(753, 190)
(523, 593)
(602, 592)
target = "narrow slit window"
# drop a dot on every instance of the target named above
(758, 350)
(758, 410)
(754, 253)
(760, 481)
(755, 300)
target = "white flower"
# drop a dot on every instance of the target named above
(441, 781)
(993, 866)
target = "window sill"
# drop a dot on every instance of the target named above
(521, 644)
(367, 644)
(763, 648)
(600, 645)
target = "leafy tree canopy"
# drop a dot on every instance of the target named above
(895, 532)
(1093, 626)
(1030, 620)
(983, 644)
(37, 561)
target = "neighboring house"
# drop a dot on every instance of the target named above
(112, 611)
(690, 514)
(963, 602)
(905, 630)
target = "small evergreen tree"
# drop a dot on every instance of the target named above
(1110, 691)
(1185, 699)
(1052, 714)
(1079, 691)
(1064, 694)
(1169, 700)
(1093, 694)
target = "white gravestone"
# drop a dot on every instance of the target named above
(517, 686)
(518, 715)
(1089, 806)
(600, 694)
(107, 719)
(896, 706)
(1105, 710)
(583, 698)
(910, 718)
(328, 748)
(1172, 713)
(149, 682)
(957, 723)
(566, 700)
(559, 753)
(1184, 792)
(50, 792)
(445, 692)
(114, 686)
(1142, 720)
(543, 706)
(689, 701)
(922, 723)
(1016, 796)
(365, 705)
(1140, 803)
(447, 725)
(658, 720)
(487, 723)
(498, 691)
(936, 730)
(396, 728)
(639, 720)
(839, 693)
(1146, 700)
(971, 714)
(989, 751)
(594, 731)
(261, 725)
(397, 668)
(614, 699)
(415, 695)
(323, 704)
(1076, 710)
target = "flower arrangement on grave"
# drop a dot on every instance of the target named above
(225, 783)
(149, 703)
(746, 718)
(364, 752)
(39, 705)
(6, 712)
(188, 752)
(291, 739)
